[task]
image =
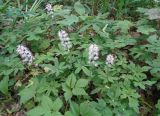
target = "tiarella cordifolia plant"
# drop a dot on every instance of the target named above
(84, 81)
(65, 40)
(49, 8)
(93, 54)
(25, 54)
(110, 60)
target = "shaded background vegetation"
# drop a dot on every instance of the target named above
(62, 82)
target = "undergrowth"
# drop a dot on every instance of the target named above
(79, 58)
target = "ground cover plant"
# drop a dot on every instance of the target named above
(79, 57)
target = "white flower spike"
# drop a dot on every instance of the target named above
(25, 54)
(93, 54)
(48, 7)
(110, 60)
(65, 40)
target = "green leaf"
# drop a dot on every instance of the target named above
(38, 30)
(68, 92)
(145, 29)
(122, 41)
(46, 102)
(37, 111)
(79, 8)
(69, 20)
(78, 70)
(96, 90)
(56, 114)
(67, 95)
(158, 105)
(123, 25)
(153, 39)
(39, 46)
(100, 32)
(149, 83)
(4, 85)
(87, 110)
(133, 103)
(33, 37)
(26, 95)
(86, 71)
(57, 104)
(71, 80)
(74, 108)
(82, 83)
(78, 91)
(29, 92)
(84, 28)
(68, 113)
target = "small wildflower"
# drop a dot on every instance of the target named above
(65, 40)
(93, 54)
(25, 54)
(110, 60)
(48, 7)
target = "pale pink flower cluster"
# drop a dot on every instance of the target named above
(65, 40)
(93, 54)
(110, 60)
(25, 54)
(48, 8)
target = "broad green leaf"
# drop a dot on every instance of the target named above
(71, 81)
(122, 41)
(87, 110)
(39, 46)
(57, 104)
(158, 105)
(149, 83)
(86, 71)
(68, 113)
(107, 112)
(138, 84)
(67, 95)
(69, 20)
(26, 95)
(123, 25)
(33, 37)
(78, 91)
(145, 29)
(79, 8)
(38, 30)
(29, 92)
(84, 28)
(68, 92)
(46, 102)
(82, 83)
(4, 85)
(37, 111)
(100, 32)
(74, 108)
(153, 39)
(56, 114)
(133, 103)
(78, 70)
(96, 90)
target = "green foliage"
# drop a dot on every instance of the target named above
(64, 83)
(79, 8)
(4, 85)
(74, 87)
